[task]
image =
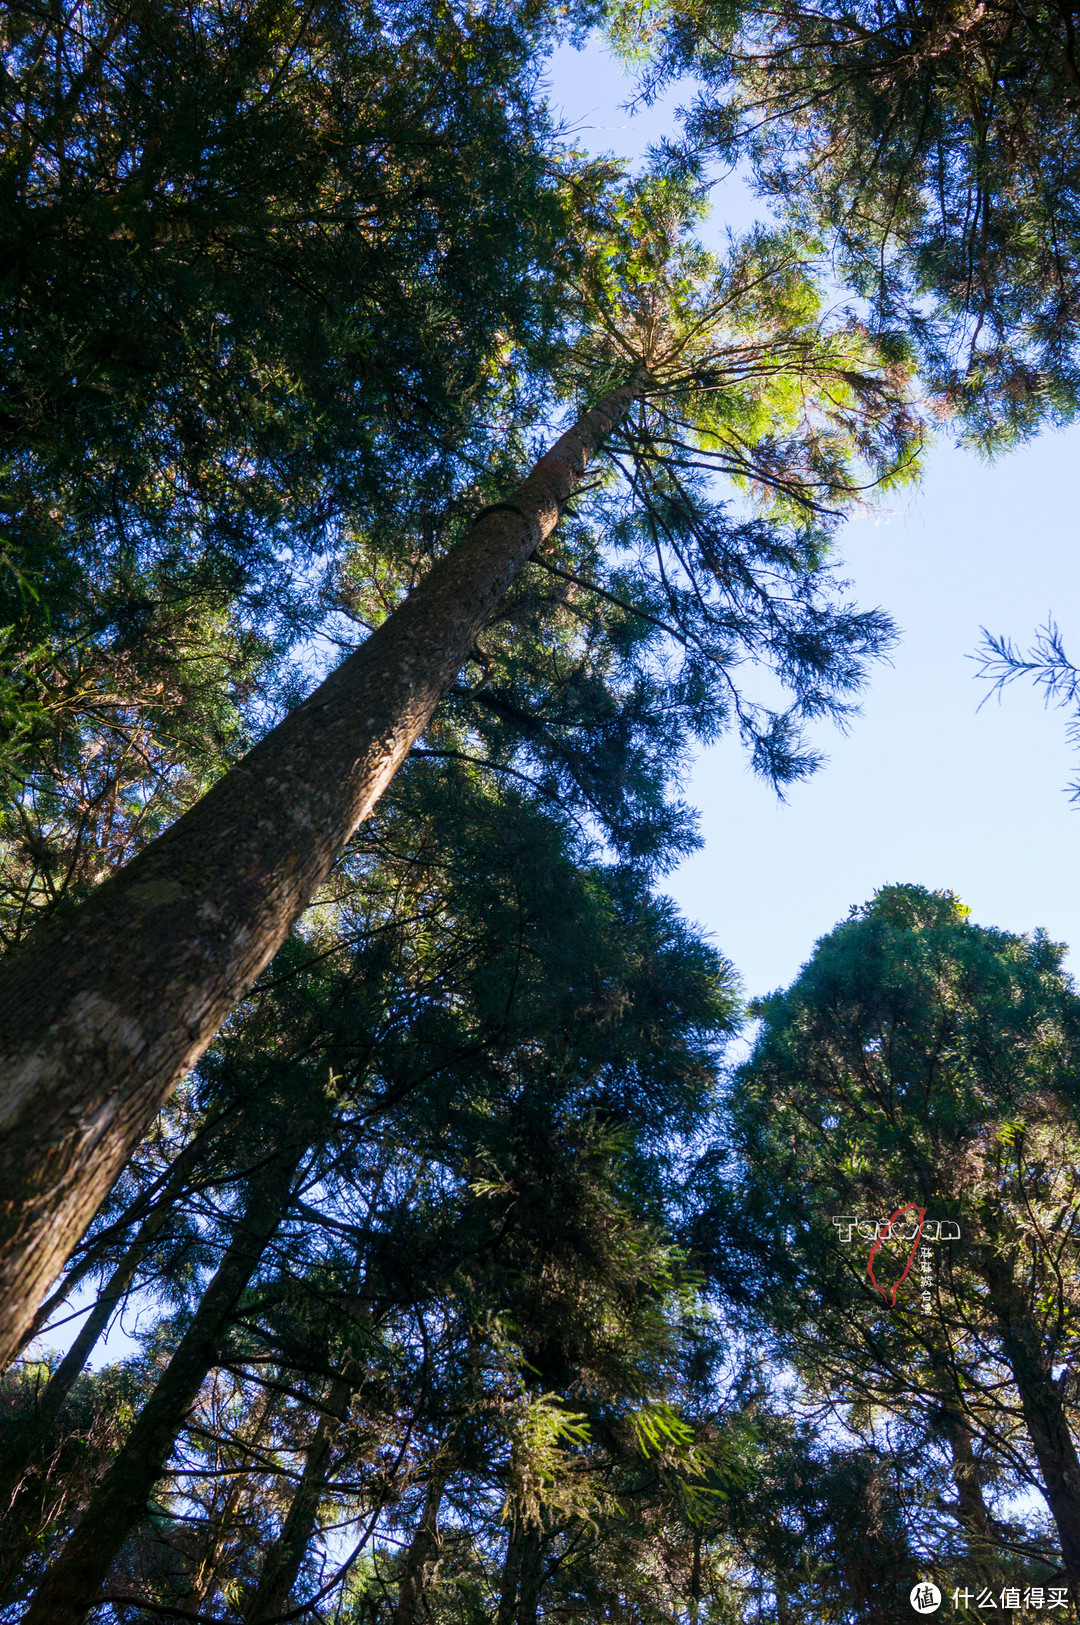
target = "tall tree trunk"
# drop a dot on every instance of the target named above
(283, 1560)
(102, 1012)
(118, 1504)
(511, 1572)
(31, 1444)
(155, 1203)
(34, 1438)
(422, 1548)
(1044, 1415)
(532, 1573)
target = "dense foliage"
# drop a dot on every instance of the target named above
(459, 1282)
(934, 145)
(920, 1059)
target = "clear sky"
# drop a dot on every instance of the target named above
(925, 787)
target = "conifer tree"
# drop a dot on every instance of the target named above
(715, 369)
(504, 992)
(921, 1059)
(933, 146)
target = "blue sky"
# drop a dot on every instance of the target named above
(926, 786)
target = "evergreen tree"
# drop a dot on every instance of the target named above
(724, 370)
(238, 243)
(502, 1005)
(934, 145)
(920, 1059)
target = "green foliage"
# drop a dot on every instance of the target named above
(934, 145)
(917, 1058)
(494, 1046)
(251, 290)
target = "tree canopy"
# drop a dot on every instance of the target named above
(394, 500)
(919, 1062)
(932, 147)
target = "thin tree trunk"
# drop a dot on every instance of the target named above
(119, 1502)
(102, 1012)
(974, 1513)
(283, 1560)
(422, 1548)
(207, 1572)
(511, 1571)
(532, 1574)
(34, 1438)
(970, 1505)
(1044, 1415)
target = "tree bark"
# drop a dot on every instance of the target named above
(34, 1438)
(1044, 1415)
(71, 1584)
(104, 1011)
(422, 1548)
(31, 1443)
(511, 1572)
(283, 1560)
(155, 1204)
(532, 1573)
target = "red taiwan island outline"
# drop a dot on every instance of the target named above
(890, 1298)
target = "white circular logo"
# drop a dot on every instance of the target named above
(925, 1597)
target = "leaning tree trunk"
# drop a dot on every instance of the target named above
(285, 1557)
(31, 1444)
(209, 1567)
(74, 1581)
(422, 1548)
(153, 1206)
(1044, 1414)
(102, 1012)
(34, 1438)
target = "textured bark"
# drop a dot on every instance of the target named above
(32, 1442)
(34, 1439)
(532, 1574)
(152, 1206)
(511, 1571)
(102, 1013)
(1044, 1415)
(31, 1445)
(119, 1503)
(283, 1560)
(422, 1548)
